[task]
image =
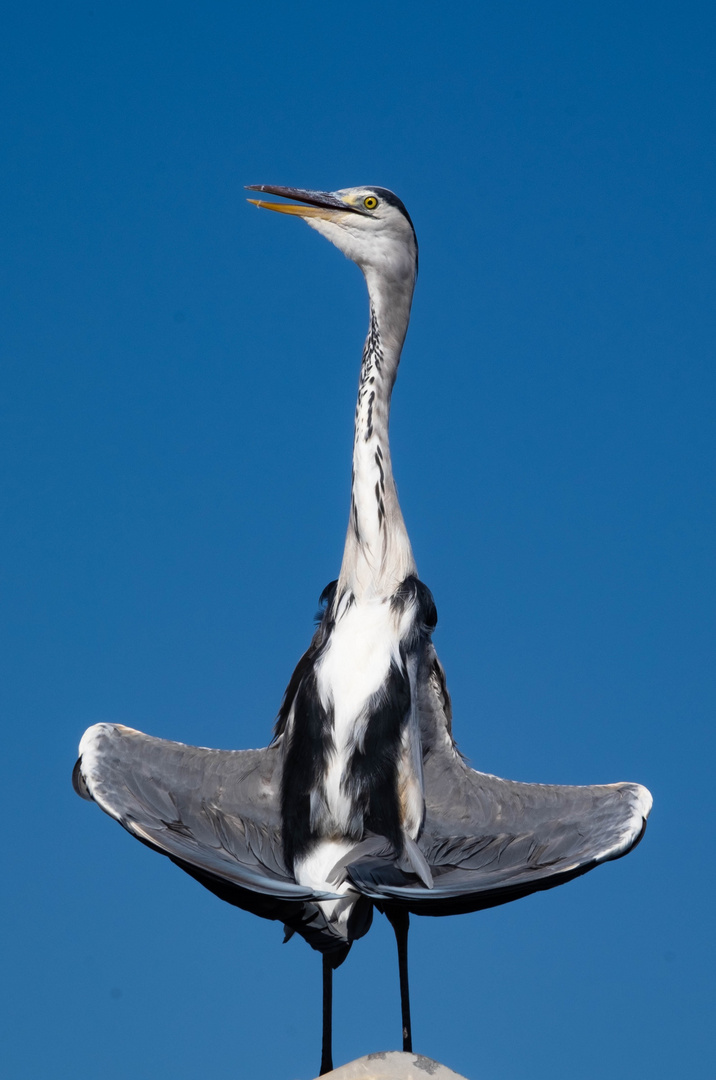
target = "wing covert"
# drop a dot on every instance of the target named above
(217, 811)
(488, 841)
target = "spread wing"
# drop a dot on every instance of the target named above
(488, 841)
(215, 813)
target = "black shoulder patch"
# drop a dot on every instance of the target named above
(302, 669)
(326, 598)
(325, 601)
(324, 622)
(412, 590)
(304, 765)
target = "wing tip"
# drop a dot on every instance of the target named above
(78, 781)
(645, 799)
(82, 772)
(641, 802)
(86, 774)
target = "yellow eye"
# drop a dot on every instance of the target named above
(370, 202)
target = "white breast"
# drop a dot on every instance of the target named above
(364, 641)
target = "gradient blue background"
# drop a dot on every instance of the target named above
(179, 373)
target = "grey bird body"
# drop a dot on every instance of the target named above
(362, 800)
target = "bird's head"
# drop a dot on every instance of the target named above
(370, 225)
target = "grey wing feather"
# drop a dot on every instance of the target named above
(213, 811)
(488, 841)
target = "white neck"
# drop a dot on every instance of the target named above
(377, 555)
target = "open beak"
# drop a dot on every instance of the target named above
(316, 204)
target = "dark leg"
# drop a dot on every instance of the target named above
(326, 1040)
(400, 921)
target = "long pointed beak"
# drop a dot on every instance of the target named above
(321, 204)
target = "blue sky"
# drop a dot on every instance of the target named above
(179, 374)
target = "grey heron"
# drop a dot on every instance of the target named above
(362, 800)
